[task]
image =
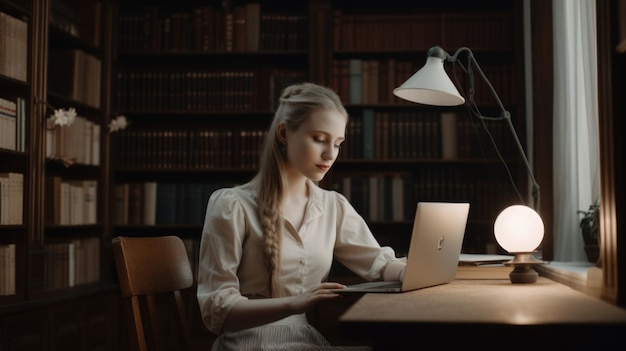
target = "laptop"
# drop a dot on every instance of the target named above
(436, 241)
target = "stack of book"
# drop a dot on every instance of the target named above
(483, 266)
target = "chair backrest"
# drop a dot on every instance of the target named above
(152, 272)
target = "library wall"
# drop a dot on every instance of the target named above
(170, 101)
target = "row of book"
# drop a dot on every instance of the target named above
(162, 203)
(76, 75)
(78, 142)
(377, 135)
(374, 135)
(7, 269)
(188, 148)
(421, 31)
(242, 28)
(363, 81)
(71, 202)
(379, 197)
(13, 47)
(72, 263)
(13, 124)
(398, 135)
(392, 196)
(11, 198)
(158, 90)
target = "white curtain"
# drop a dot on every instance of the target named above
(576, 155)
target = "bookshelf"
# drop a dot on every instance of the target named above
(198, 83)
(217, 67)
(56, 285)
(14, 147)
(431, 153)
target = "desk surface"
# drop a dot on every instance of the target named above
(492, 308)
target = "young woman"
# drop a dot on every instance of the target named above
(268, 245)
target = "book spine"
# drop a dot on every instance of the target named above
(369, 121)
(355, 81)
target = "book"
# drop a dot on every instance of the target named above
(483, 266)
(375, 200)
(449, 138)
(369, 131)
(181, 203)
(120, 204)
(166, 203)
(149, 202)
(8, 124)
(194, 204)
(482, 259)
(355, 81)
(239, 29)
(76, 205)
(397, 197)
(253, 26)
(492, 271)
(135, 203)
(7, 269)
(11, 198)
(13, 44)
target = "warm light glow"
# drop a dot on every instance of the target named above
(431, 86)
(518, 229)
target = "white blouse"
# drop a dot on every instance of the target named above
(232, 263)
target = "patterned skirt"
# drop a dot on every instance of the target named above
(291, 333)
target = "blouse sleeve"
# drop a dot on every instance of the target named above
(220, 255)
(357, 248)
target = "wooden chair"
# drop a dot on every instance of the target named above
(152, 272)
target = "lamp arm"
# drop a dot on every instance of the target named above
(504, 115)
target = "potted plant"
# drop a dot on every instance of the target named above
(589, 224)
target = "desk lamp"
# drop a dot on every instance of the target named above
(519, 230)
(432, 86)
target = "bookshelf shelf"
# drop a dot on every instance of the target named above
(182, 171)
(135, 55)
(19, 156)
(195, 115)
(73, 230)
(61, 39)
(10, 82)
(411, 162)
(52, 266)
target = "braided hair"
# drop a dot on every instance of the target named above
(296, 104)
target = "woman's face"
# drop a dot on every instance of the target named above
(314, 146)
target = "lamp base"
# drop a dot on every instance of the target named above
(523, 272)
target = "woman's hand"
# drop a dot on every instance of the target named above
(255, 312)
(303, 302)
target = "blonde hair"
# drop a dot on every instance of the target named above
(296, 104)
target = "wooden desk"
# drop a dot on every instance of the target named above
(493, 312)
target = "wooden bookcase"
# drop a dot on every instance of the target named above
(398, 153)
(57, 290)
(199, 98)
(197, 82)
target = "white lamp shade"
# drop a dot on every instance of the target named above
(518, 229)
(430, 86)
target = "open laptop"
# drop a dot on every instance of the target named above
(438, 231)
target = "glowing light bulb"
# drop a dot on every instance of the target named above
(518, 228)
